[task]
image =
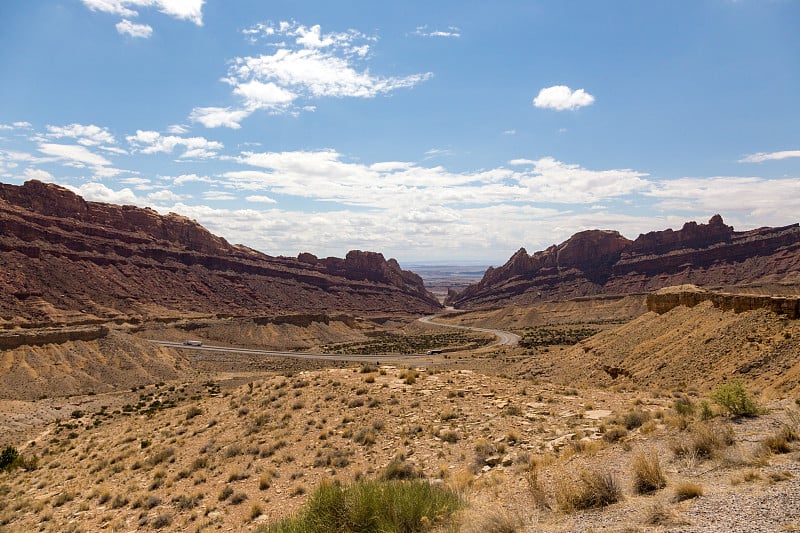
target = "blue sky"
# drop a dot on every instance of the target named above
(428, 131)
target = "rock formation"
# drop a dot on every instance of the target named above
(604, 262)
(64, 260)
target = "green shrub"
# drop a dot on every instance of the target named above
(733, 397)
(370, 506)
(8, 458)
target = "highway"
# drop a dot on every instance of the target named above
(504, 338)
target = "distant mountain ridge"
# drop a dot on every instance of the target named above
(605, 262)
(64, 260)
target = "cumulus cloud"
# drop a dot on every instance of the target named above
(86, 135)
(217, 117)
(760, 157)
(191, 10)
(152, 142)
(306, 64)
(141, 31)
(97, 192)
(562, 98)
(38, 174)
(326, 176)
(261, 199)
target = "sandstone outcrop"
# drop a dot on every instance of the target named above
(66, 261)
(604, 262)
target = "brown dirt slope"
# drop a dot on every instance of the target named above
(116, 361)
(688, 346)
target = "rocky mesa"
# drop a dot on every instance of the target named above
(605, 262)
(67, 261)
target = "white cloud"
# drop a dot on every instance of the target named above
(399, 186)
(97, 192)
(190, 178)
(765, 199)
(522, 162)
(561, 98)
(510, 132)
(218, 196)
(38, 174)
(152, 142)
(177, 129)
(75, 153)
(87, 135)
(451, 31)
(15, 125)
(314, 65)
(216, 117)
(165, 195)
(191, 10)
(141, 31)
(261, 199)
(760, 157)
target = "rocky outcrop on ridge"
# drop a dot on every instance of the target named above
(604, 262)
(65, 261)
(668, 298)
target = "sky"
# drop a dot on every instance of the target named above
(446, 131)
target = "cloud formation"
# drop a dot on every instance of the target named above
(191, 10)
(141, 31)
(562, 98)
(306, 64)
(152, 142)
(451, 31)
(760, 157)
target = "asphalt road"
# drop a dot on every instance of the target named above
(504, 338)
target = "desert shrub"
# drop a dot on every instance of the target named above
(162, 455)
(615, 433)
(10, 458)
(162, 520)
(733, 397)
(687, 490)
(399, 468)
(684, 406)
(449, 436)
(225, 494)
(193, 411)
(367, 506)
(255, 511)
(238, 498)
(119, 501)
(365, 436)
(648, 476)
(594, 489)
(635, 419)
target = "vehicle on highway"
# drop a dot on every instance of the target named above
(193, 343)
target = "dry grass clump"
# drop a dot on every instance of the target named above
(704, 441)
(648, 476)
(497, 521)
(661, 515)
(687, 490)
(594, 489)
(615, 433)
(399, 468)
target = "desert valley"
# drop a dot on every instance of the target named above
(155, 377)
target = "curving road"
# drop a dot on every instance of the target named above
(504, 338)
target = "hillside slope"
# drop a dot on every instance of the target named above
(64, 260)
(605, 262)
(698, 346)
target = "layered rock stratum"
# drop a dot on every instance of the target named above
(68, 261)
(605, 262)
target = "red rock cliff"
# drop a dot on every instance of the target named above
(66, 260)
